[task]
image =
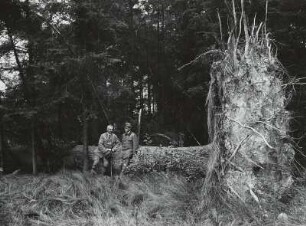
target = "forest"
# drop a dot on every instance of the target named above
(73, 67)
(175, 69)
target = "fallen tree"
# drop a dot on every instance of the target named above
(188, 161)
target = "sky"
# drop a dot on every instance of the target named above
(2, 73)
(2, 86)
(7, 60)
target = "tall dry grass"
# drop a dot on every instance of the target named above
(73, 198)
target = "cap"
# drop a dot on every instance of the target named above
(127, 124)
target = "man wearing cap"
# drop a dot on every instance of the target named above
(129, 144)
(108, 143)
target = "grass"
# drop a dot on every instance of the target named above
(72, 198)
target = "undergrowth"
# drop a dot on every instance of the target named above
(72, 198)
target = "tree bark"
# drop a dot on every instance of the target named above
(139, 124)
(249, 125)
(59, 121)
(188, 161)
(85, 140)
(1, 139)
(1, 144)
(34, 159)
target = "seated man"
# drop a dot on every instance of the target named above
(108, 143)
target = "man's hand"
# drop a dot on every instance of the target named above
(108, 151)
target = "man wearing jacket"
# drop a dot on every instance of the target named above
(108, 143)
(129, 145)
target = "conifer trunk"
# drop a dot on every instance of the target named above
(1, 144)
(33, 151)
(85, 140)
(59, 121)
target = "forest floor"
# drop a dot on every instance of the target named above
(72, 198)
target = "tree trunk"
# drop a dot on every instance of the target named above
(34, 158)
(1, 139)
(85, 140)
(139, 125)
(1, 145)
(149, 97)
(158, 80)
(59, 121)
(141, 86)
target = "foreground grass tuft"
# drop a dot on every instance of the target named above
(78, 199)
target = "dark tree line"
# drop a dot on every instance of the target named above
(72, 67)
